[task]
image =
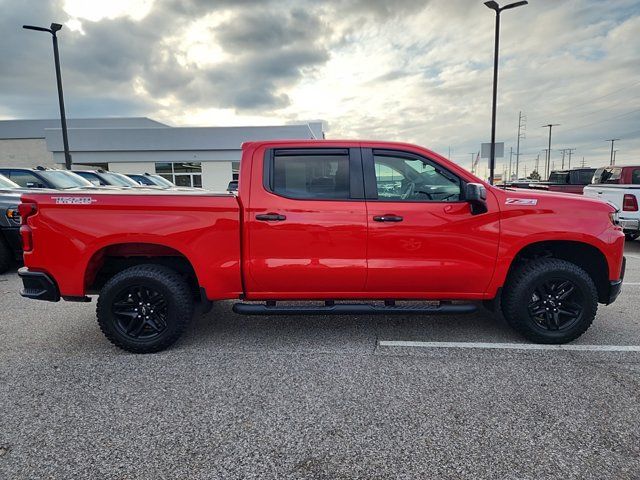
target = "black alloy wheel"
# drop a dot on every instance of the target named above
(145, 308)
(140, 312)
(549, 300)
(556, 304)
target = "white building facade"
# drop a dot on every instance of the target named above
(207, 157)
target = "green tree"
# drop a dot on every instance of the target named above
(534, 175)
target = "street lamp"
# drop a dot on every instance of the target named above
(494, 6)
(55, 27)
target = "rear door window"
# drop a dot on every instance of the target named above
(635, 176)
(310, 175)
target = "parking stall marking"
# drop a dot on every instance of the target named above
(510, 346)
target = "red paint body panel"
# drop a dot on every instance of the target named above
(325, 249)
(203, 228)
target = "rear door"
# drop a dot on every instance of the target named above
(423, 240)
(306, 224)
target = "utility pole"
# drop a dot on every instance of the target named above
(563, 152)
(550, 125)
(614, 157)
(538, 163)
(510, 161)
(612, 140)
(546, 157)
(582, 164)
(522, 125)
(570, 150)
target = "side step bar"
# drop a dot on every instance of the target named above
(353, 308)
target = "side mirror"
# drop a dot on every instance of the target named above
(476, 195)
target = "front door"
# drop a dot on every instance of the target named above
(423, 240)
(307, 224)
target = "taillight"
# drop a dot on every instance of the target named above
(630, 203)
(25, 210)
(27, 238)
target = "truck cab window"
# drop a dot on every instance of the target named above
(311, 176)
(413, 179)
(635, 176)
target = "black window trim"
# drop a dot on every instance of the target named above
(371, 185)
(356, 176)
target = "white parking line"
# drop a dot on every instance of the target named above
(511, 346)
(631, 283)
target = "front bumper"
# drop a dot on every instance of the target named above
(616, 285)
(38, 286)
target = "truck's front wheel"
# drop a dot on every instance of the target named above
(145, 308)
(549, 300)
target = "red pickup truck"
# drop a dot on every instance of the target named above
(354, 226)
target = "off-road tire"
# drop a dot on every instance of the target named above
(519, 290)
(6, 256)
(177, 296)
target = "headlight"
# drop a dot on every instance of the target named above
(13, 215)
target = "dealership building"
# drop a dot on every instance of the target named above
(189, 156)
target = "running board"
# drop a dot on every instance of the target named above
(353, 308)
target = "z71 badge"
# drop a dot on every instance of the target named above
(521, 201)
(74, 200)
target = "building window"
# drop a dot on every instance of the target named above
(235, 171)
(183, 174)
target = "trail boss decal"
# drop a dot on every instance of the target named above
(74, 200)
(521, 201)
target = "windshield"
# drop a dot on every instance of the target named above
(118, 179)
(62, 179)
(163, 182)
(6, 183)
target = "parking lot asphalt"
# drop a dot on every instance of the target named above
(316, 397)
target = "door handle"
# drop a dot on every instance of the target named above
(387, 218)
(271, 217)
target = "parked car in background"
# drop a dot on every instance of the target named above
(567, 181)
(41, 177)
(329, 221)
(103, 178)
(617, 175)
(151, 180)
(10, 243)
(626, 198)
(6, 184)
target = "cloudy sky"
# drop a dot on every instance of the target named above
(408, 70)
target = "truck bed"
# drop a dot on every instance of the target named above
(81, 228)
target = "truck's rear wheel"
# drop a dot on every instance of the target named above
(631, 236)
(145, 308)
(550, 300)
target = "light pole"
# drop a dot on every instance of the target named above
(55, 27)
(612, 140)
(546, 168)
(498, 9)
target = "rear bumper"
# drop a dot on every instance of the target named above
(616, 285)
(629, 225)
(38, 286)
